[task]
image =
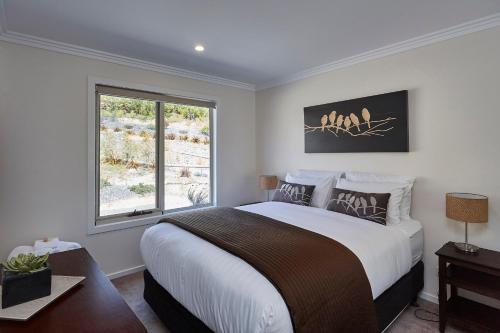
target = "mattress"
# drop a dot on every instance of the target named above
(413, 229)
(229, 295)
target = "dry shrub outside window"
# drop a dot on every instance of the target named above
(185, 172)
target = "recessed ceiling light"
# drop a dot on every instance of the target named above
(199, 48)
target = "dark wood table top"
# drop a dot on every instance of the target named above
(93, 306)
(483, 258)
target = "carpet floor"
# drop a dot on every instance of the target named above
(132, 286)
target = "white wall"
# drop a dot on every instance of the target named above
(454, 119)
(43, 148)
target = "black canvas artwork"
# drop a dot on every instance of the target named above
(370, 124)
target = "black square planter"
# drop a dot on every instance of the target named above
(19, 288)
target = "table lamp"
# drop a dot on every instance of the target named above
(268, 183)
(468, 208)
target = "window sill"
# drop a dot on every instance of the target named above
(124, 224)
(137, 221)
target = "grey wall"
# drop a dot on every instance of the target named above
(454, 113)
(43, 149)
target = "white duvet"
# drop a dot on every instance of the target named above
(229, 295)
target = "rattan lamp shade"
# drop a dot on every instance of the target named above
(268, 182)
(467, 207)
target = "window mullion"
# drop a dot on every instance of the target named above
(97, 136)
(212, 187)
(160, 156)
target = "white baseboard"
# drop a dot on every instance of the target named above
(429, 297)
(125, 272)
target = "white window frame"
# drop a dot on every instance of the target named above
(136, 221)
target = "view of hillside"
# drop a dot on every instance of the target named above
(128, 156)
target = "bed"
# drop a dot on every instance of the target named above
(195, 286)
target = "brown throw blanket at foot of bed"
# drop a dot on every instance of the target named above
(321, 281)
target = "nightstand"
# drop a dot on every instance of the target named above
(479, 273)
(251, 203)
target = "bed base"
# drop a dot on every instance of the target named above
(179, 320)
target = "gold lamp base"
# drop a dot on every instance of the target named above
(467, 248)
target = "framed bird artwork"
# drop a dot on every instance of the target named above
(369, 124)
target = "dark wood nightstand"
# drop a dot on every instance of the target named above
(479, 273)
(251, 203)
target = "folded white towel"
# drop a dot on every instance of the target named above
(50, 243)
(60, 247)
(25, 249)
(41, 247)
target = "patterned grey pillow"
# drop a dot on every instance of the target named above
(297, 194)
(367, 206)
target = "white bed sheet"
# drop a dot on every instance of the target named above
(229, 295)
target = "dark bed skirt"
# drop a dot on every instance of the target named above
(179, 320)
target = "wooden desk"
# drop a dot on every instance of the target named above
(93, 306)
(479, 273)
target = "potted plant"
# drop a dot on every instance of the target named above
(25, 278)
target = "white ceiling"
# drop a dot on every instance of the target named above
(255, 41)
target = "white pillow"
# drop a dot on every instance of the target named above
(395, 189)
(322, 191)
(406, 204)
(319, 173)
(379, 178)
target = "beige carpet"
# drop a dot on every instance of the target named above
(131, 288)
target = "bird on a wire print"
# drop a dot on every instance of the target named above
(337, 123)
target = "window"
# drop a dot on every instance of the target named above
(153, 154)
